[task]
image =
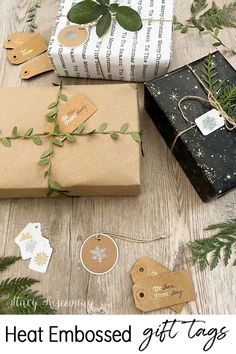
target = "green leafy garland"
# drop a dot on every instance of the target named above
(209, 22)
(56, 139)
(209, 251)
(32, 13)
(16, 297)
(102, 12)
(224, 94)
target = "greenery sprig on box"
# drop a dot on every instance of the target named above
(102, 11)
(57, 138)
(210, 21)
(16, 295)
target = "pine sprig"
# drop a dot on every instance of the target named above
(32, 13)
(16, 295)
(210, 22)
(5, 262)
(225, 95)
(208, 252)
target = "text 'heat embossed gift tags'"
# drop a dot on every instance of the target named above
(145, 267)
(163, 290)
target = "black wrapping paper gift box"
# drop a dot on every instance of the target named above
(208, 161)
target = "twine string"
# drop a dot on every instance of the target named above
(134, 239)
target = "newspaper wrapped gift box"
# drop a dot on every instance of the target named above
(209, 161)
(119, 55)
(91, 165)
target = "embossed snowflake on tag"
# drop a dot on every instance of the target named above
(30, 246)
(98, 254)
(210, 122)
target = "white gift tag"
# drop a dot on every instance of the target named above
(41, 257)
(28, 239)
(210, 122)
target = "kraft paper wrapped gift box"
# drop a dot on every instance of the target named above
(119, 55)
(209, 161)
(91, 165)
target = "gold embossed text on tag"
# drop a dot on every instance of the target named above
(145, 267)
(36, 67)
(28, 50)
(163, 290)
(16, 39)
(76, 111)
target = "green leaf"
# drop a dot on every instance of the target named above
(43, 162)
(37, 140)
(46, 173)
(114, 7)
(52, 113)
(136, 136)
(104, 2)
(80, 129)
(85, 12)
(6, 142)
(217, 44)
(184, 29)
(114, 135)
(33, 25)
(57, 142)
(103, 24)
(129, 19)
(28, 132)
(174, 20)
(56, 129)
(46, 154)
(14, 132)
(70, 137)
(124, 128)
(102, 128)
(63, 97)
(52, 105)
(55, 186)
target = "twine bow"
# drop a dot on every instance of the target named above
(230, 123)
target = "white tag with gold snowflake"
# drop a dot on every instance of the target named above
(41, 257)
(210, 122)
(28, 238)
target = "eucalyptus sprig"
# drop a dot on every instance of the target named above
(208, 252)
(102, 11)
(16, 295)
(209, 22)
(32, 13)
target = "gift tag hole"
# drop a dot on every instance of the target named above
(141, 295)
(141, 270)
(9, 40)
(14, 56)
(26, 72)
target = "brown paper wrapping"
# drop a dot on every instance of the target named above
(92, 165)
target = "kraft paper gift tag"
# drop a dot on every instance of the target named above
(16, 39)
(163, 290)
(36, 67)
(28, 50)
(146, 266)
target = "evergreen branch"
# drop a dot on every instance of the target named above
(209, 251)
(198, 6)
(5, 262)
(16, 285)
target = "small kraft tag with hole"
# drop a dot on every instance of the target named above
(16, 39)
(163, 290)
(148, 267)
(36, 67)
(28, 50)
(73, 113)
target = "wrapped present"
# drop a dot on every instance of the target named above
(119, 54)
(98, 155)
(194, 108)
